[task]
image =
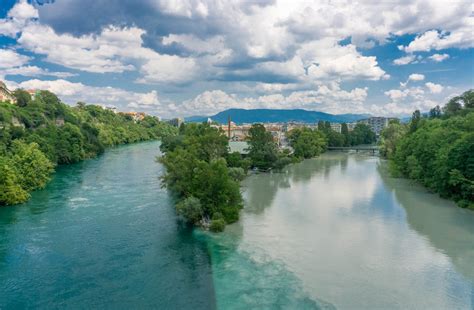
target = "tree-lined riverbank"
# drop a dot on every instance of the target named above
(38, 134)
(437, 150)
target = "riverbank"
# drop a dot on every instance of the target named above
(44, 132)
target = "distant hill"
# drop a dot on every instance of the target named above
(240, 116)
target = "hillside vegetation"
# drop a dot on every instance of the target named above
(36, 135)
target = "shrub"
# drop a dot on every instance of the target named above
(190, 209)
(217, 225)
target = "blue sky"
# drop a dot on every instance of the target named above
(196, 57)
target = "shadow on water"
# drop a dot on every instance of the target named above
(447, 227)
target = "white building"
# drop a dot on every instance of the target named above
(5, 94)
(336, 127)
(376, 123)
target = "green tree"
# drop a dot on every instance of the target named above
(263, 150)
(415, 120)
(453, 106)
(33, 167)
(23, 98)
(435, 112)
(190, 209)
(11, 191)
(307, 143)
(345, 134)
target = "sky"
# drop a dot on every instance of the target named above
(194, 57)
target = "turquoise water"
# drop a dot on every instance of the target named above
(332, 232)
(103, 234)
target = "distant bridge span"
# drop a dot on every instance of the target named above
(366, 148)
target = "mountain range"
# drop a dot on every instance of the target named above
(240, 116)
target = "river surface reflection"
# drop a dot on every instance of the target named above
(337, 231)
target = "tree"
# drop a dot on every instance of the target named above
(362, 134)
(390, 136)
(468, 99)
(197, 171)
(11, 191)
(415, 120)
(23, 98)
(435, 112)
(453, 106)
(306, 142)
(263, 150)
(345, 133)
(33, 167)
(190, 209)
(437, 152)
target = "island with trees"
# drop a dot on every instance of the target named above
(204, 176)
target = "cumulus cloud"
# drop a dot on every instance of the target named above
(34, 71)
(405, 60)
(10, 58)
(329, 98)
(124, 100)
(439, 57)
(17, 18)
(439, 40)
(416, 77)
(434, 88)
(288, 54)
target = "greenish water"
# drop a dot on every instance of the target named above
(102, 234)
(333, 232)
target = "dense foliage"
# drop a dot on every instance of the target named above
(437, 151)
(361, 134)
(263, 151)
(37, 134)
(197, 171)
(306, 142)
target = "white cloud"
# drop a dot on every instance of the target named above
(113, 50)
(438, 57)
(434, 88)
(328, 60)
(405, 60)
(439, 40)
(17, 18)
(71, 93)
(33, 71)
(10, 58)
(329, 98)
(416, 77)
(167, 68)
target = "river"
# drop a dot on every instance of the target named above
(332, 232)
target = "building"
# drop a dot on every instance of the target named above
(33, 93)
(176, 121)
(351, 126)
(336, 127)
(136, 116)
(377, 123)
(5, 94)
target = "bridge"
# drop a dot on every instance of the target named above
(362, 148)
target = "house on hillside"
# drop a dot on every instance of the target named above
(5, 94)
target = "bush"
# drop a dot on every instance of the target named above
(237, 173)
(217, 225)
(190, 209)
